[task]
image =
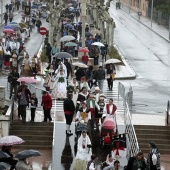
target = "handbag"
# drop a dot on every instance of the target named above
(113, 76)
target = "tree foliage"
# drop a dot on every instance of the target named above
(161, 5)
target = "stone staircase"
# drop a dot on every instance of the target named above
(37, 135)
(159, 134)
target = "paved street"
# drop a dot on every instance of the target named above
(148, 54)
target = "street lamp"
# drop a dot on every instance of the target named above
(83, 17)
(151, 13)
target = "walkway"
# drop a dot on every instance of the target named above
(158, 29)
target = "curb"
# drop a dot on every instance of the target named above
(166, 39)
(131, 70)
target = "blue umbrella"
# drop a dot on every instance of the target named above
(13, 23)
(34, 7)
(15, 26)
(69, 26)
(9, 27)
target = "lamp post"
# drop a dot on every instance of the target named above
(139, 1)
(151, 13)
(2, 10)
(83, 17)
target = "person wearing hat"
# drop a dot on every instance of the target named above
(69, 110)
(84, 83)
(92, 105)
(47, 105)
(84, 152)
(83, 113)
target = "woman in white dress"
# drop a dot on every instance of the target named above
(61, 67)
(60, 86)
(84, 152)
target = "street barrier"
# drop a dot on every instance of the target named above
(127, 97)
(168, 114)
(53, 144)
(131, 139)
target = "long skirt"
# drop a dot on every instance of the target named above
(79, 164)
(59, 91)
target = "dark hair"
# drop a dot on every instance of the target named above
(111, 100)
(83, 88)
(69, 96)
(139, 154)
(110, 155)
(152, 143)
(116, 162)
(93, 157)
(44, 92)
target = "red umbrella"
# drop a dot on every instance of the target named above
(8, 31)
(108, 124)
(27, 79)
(84, 50)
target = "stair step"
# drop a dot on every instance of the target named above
(28, 132)
(153, 136)
(159, 146)
(162, 151)
(36, 137)
(150, 131)
(37, 142)
(35, 147)
(157, 141)
(138, 127)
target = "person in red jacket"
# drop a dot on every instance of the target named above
(47, 105)
(85, 59)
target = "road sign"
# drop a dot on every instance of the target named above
(43, 31)
(139, 13)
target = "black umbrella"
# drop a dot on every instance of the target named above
(88, 34)
(4, 155)
(27, 154)
(4, 166)
(63, 55)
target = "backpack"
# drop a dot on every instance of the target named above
(154, 159)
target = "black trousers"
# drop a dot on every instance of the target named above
(47, 115)
(33, 114)
(69, 118)
(110, 83)
(22, 112)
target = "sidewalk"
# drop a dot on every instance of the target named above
(158, 29)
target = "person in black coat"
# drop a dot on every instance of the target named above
(48, 52)
(79, 74)
(6, 18)
(34, 103)
(10, 160)
(69, 110)
(110, 70)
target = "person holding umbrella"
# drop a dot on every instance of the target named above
(23, 164)
(10, 160)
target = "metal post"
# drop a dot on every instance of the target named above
(151, 13)
(130, 3)
(139, 1)
(83, 21)
(169, 27)
(2, 10)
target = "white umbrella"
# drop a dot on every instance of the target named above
(10, 140)
(98, 44)
(80, 65)
(112, 61)
(67, 38)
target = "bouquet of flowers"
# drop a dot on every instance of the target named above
(61, 79)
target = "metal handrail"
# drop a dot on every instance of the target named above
(53, 143)
(168, 113)
(121, 90)
(131, 139)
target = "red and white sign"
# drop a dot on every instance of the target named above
(43, 31)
